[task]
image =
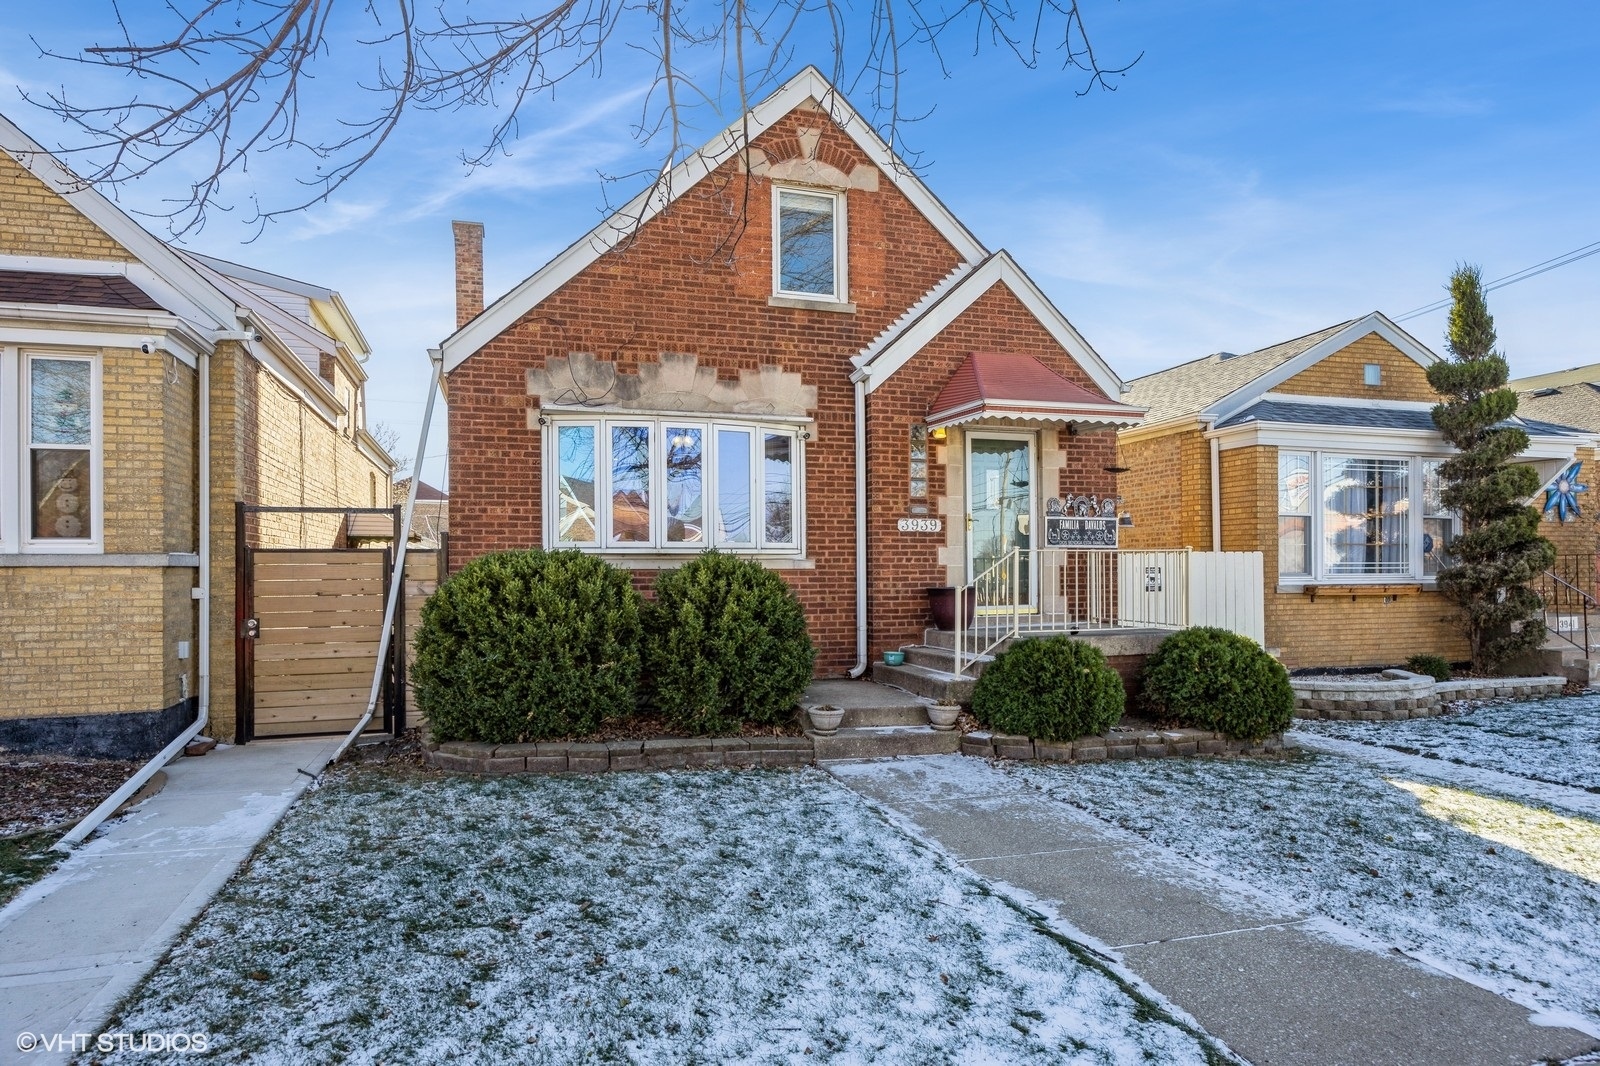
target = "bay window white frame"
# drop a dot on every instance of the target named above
(16, 454)
(657, 544)
(841, 243)
(1319, 568)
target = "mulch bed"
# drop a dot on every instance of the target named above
(40, 792)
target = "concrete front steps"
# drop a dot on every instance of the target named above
(1561, 658)
(879, 722)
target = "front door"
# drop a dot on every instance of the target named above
(1000, 515)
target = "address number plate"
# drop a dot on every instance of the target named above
(920, 525)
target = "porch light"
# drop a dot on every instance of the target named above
(937, 433)
(1125, 520)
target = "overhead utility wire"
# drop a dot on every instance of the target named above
(1511, 279)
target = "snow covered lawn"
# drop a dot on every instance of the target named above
(1491, 887)
(711, 916)
(1555, 740)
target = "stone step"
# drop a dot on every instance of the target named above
(943, 659)
(868, 704)
(886, 742)
(940, 686)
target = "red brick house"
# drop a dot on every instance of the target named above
(790, 349)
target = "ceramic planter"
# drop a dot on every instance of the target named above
(825, 718)
(942, 716)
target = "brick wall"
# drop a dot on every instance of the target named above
(34, 220)
(1167, 490)
(1341, 374)
(697, 279)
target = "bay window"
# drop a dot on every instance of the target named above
(1349, 517)
(49, 456)
(668, 484)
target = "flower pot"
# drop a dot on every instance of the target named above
(942, 716)
(825, 718)
(894, 658)
(942, 604)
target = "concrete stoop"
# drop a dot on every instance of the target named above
(930, 682)
(1561, 658)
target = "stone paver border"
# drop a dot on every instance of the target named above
(575, 757)
(1402, 695)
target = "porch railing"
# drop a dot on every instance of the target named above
(1070, 590)
(1569, 601)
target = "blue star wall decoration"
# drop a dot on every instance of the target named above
(1562, 496)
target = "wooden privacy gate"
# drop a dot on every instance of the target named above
(310, 622)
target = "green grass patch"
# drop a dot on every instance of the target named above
(24, 860)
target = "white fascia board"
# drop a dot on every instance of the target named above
(153, 284)
(1042, 409)
(257, 276)
(153, 252)
(1371, 439)
(1376, 322)
(999, 269)
(272, 353)
(368, 446)
(93, 327)
(809, 84)
(1347, 401)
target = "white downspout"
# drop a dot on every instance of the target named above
(1216, 495)
(861, 530)
(202, 594)
(397, 580)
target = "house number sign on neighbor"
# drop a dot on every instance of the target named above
(920, 525)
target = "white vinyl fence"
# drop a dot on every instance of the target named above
(1179, 588)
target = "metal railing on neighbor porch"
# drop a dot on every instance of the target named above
(1570, 604)
(1074, 590)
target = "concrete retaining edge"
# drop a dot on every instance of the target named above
(1404, 695)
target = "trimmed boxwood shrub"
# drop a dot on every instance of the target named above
(1435, 666)
(1052, 688)
(528, 645)
(725, 643)
(1209, 678)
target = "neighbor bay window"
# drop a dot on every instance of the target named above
(1358, 517)
(630, 484)
(49, 458)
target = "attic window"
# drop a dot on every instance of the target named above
(1372, 374)
(808, 254)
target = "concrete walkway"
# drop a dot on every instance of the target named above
(72, 945)
(1254, 975)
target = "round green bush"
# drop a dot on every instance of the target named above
(725, 643)
(1052, 688)
(1435, 666)
(528, 645)
(1210, 678)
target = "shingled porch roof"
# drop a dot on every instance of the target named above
(1010, 385)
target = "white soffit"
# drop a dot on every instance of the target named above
(809, 84)
(1000, 268)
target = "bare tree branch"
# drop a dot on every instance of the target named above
(236, 79)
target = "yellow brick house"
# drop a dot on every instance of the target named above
(1321, 453)
(144, 390)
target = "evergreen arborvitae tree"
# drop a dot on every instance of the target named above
(1499, 550)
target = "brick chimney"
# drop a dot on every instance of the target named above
(469, 270)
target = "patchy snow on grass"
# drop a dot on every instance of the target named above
(1555, 740)
(711, 916)
(1491, 889)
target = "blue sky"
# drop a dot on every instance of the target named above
(1266, 169)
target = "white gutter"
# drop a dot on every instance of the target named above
(861, 529)
(397, 580)
(202, 594)
(1216, 495)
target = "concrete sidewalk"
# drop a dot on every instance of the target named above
(1255, 976)
(72, 945)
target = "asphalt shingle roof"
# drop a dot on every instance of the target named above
(1188, 388)
(75, 290)
(1572, 405)
(1325, 414)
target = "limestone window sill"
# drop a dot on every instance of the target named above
(802, 304)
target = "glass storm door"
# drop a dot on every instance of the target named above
(1000, 514)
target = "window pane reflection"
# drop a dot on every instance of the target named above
(733, 487)
(575, 521)
(685, 478)
(779, 476)
(630, 484)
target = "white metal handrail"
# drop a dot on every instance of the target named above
(995, 594)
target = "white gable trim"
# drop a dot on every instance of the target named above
(152, 252)
(1376, 322)
(809, 84)
(999, 269)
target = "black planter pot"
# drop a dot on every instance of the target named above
(942, 603)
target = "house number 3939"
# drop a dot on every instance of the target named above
(920, 525)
